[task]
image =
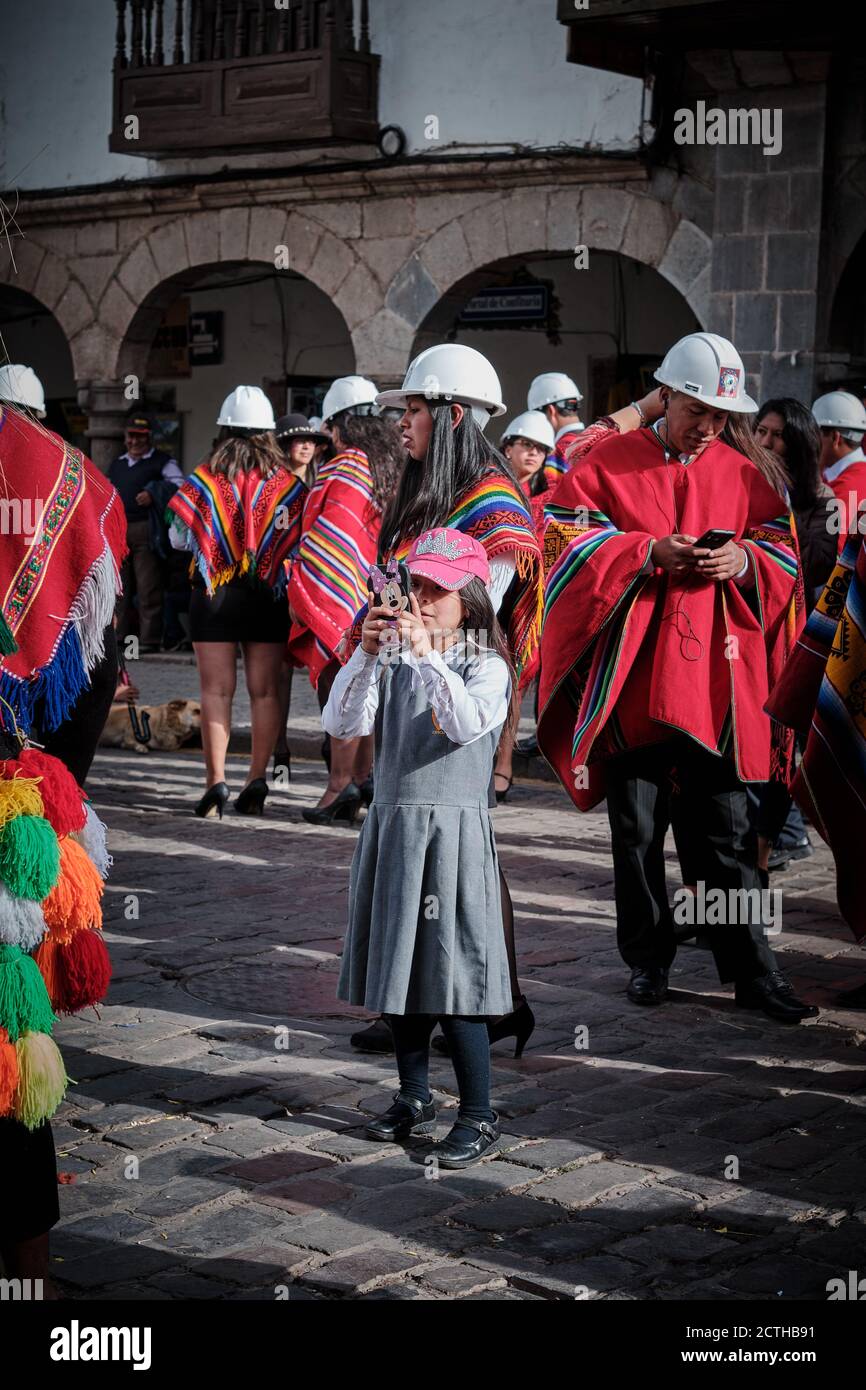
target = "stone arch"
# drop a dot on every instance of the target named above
(174, 251)
(528, 221)
(46, 276)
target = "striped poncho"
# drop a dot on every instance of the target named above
(822, 693)
(496, 513)
(247, 526)
(328, 575)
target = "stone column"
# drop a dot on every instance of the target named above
(766, 234)
(107, 409)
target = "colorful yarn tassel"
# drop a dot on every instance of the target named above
(8, 1073)
(93, 838)
(42, 1079)
(21, 921)
(19, 796)
(29, 857)
(76, 974)
(73, 904)
(24, 1002)
(62, 797)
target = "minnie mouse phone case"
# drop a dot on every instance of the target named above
(390, 587)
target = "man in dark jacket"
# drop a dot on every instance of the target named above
(132, 473)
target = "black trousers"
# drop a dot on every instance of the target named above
(639, 791)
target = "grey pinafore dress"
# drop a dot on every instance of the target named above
(425, 929)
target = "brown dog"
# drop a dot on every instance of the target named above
(171, 725)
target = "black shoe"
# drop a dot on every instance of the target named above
(251, 801)
(376, 1038)
(459, 1153)
(405, 1117)
(648, 984)
(213, 801)
(366, 790)
(780, 858)
(773, 993)
(345, 806)
(503, 794)
(529, 748)
(518, 1025)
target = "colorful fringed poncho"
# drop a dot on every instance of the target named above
(822, 693)
(63, 538)
(52, 956)
(633, 655)
(328, 576)
(248, 526)
(496, 513)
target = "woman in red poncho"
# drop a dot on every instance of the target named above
(328, 574)
(657, 656)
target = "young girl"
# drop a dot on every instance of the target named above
(425, 939)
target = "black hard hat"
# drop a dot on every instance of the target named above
(139, 424)
(298, 427)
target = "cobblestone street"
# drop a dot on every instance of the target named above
(214, 1133)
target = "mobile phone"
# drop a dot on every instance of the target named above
(390, 587)
(714, 540)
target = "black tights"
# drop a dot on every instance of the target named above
(469, 1047)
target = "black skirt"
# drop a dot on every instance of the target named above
(28, 1182)
(240, 611)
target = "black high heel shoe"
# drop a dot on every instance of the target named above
(366, 790)
(213, 801)
(502, 795)
(345, 806)
(518, 1025)
(251, 801)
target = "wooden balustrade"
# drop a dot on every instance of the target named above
(206, 31)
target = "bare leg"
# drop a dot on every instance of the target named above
(217, 669)
(502, 772)
(363, 759)
(262, 662)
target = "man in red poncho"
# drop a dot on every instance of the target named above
(657, 657)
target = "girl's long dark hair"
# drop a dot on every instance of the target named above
(739, 434)
(427, 493)
(238, 450)
(481, 626)
(380, 441)
(802, 449)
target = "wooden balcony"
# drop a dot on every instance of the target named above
(223, 76)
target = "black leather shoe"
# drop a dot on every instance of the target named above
(648, 984)
(459, 1153)
(376, 1038)
(251, 801)
(344, 807)
(781, 858)
(213, 801)
(773, 993)
(405, 1117)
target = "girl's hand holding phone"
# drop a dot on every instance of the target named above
(411, 629)
(377, 621)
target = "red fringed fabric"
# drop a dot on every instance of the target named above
(77, 973)
(62, 798)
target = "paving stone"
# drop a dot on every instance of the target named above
(672, 1243)
(457, 1279)
(303, 1196)
(112, 1266)
(277, 1167)
(555, 1153)
(510, 1214)
(348, 1273)
(581, 1186)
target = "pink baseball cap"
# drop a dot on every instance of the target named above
(449, 558)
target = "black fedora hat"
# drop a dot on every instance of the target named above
(298, 427)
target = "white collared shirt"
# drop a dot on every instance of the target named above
(465, 710)
(856, 456)
(567, 429)
(171, 471)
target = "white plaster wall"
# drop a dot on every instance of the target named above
(492, 71)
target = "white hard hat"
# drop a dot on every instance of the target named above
(349, 393)
(549, 388)
(19, 385)
(709, 368)
(315, 422)
(839, 410)
(247, 408)
(532, 424)
(453, 372)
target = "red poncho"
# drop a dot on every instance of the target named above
(631, 654)
(849, 489)
(60, 555)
